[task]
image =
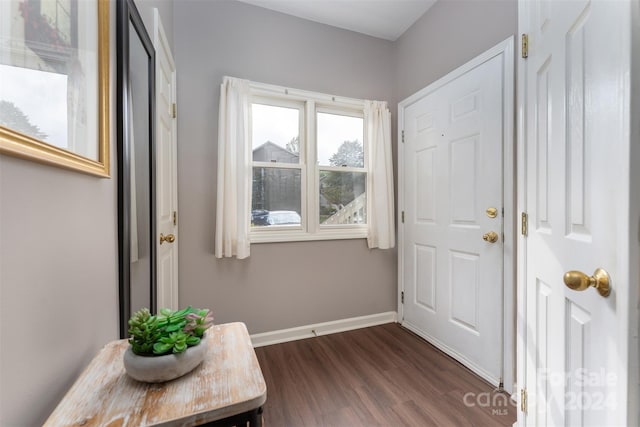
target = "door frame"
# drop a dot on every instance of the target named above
(160, 44)
(506, 49)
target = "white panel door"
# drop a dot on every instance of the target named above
(166, 167)
(574, 147)
(452, 277)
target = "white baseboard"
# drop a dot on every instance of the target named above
(317, 329)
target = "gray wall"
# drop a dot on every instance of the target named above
(451, 33)
(58, 271)
(58, 278)
(58, 229)
(285, 284)
(58, 283)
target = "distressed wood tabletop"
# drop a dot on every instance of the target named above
(228, 382)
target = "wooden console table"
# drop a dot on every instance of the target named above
(226, 389)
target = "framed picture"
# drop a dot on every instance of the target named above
(54, 82)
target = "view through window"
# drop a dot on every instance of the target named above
(309, 170)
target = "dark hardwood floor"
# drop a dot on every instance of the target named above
(379, 376)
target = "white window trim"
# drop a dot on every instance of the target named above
(313, 103)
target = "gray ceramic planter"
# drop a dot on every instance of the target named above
(159, 369)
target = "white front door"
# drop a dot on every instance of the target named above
(574, 108)
(166, 167)
(452, 243)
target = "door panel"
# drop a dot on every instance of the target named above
(167, 186)
(426, 276)
(574, 123)
(453, 279)
(463, 274)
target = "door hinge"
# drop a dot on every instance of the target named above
(175, 217)
(402, 297)
(402, 136)
(175, 110)
(525, 224)
(403, 217)
(523, 400)
(525, 46)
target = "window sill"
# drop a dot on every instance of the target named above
(264, 236)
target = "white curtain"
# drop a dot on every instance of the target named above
(234, 170)
(380, 192)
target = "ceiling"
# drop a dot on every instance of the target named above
(385, 19)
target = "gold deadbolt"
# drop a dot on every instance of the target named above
(490, 237)
(578, 281)
(492, 212)
(169, 238)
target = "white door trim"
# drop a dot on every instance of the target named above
(521, 246)
(506, 49)
(521, 200)
(633, 325)
(161, 44)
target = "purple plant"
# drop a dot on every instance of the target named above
(198, 321)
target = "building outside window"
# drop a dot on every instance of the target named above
(309, 176)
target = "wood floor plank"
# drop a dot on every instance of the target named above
(368, 409)
(411, 414)
(379, 376)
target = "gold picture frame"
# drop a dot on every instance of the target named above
(55, 40)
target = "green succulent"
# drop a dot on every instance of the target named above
(144, 331)
(167, 332)
(176, 342)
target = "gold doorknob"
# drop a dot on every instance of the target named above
(490, 237)
(169, 238)
(578, 281)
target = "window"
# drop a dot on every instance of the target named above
(298, 165)
(51, 31)
(276, 187)
(342, 175)
(309, 177)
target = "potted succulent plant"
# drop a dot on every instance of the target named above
(167, 345)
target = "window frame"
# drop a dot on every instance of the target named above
(312, 103)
